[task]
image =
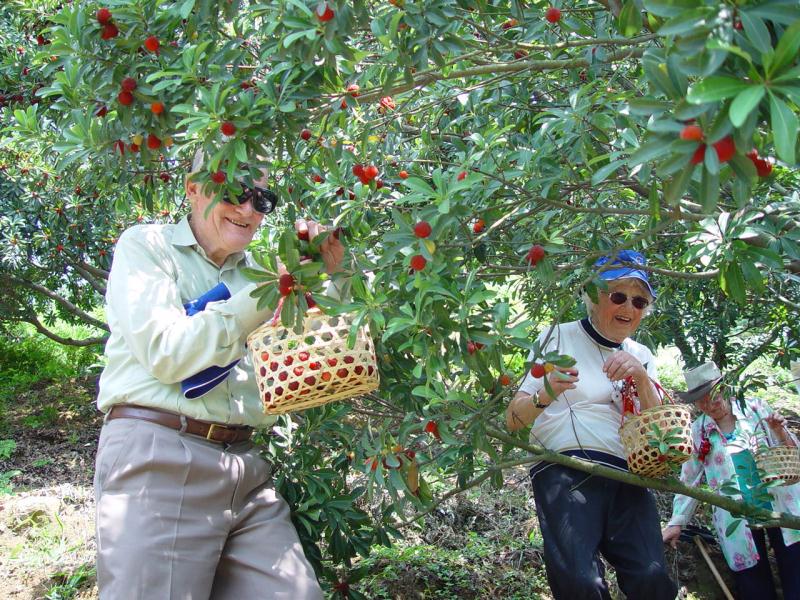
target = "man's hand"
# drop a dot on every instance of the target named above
(671, 534)
(331, 248)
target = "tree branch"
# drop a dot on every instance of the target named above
(66, 304)
(767, 517)
(59, 339)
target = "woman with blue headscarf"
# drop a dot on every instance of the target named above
(582, 516)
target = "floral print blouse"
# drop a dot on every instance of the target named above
(717, 468)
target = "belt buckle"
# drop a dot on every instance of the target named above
(210, 431)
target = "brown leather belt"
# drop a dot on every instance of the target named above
(215, 432)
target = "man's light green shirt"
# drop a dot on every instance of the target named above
(154, 345)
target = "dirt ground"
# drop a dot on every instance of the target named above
(47, 524)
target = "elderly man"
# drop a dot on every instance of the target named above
(186, 506)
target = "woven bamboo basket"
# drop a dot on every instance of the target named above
(779, 463)
(636, 432)
(299, 371)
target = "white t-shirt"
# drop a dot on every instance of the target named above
(586, 418)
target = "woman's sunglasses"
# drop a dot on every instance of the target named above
(639, 302)
(264, 201)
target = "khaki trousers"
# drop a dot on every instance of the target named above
(179, 517)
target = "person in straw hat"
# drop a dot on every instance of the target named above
(724, 436)
(583, 516)
(185, 504)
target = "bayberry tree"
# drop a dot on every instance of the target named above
(478, 157)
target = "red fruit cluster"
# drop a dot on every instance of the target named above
(110, 30)
(365, 174)
(762, 165)
(725, 149)
(432, 427)
(125, 95)
(473, 347)
(324, 12)
(705, 448)
(152, 44)
(553, 15)
(386, 104)
(535, 254)
(418, 262)
(227, 128)
(422, 229)
(286, 285)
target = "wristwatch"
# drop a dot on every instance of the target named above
(539, 405)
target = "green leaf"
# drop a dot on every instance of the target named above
(605, 171)
(733, 527)
(630, 19)
(186, 8)
(756, 31)
(715, 88)
(675, 187)
(786, 50)
(686, 20)
(668, 8)
(784, 128)
(709, 191)
(744, 103)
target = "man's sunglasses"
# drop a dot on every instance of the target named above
(264, 201)
(639, 302)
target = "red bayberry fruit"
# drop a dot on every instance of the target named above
(352, 89)
(509, 24)
(358, 170)
(331, 361)
(418, 262)
(432, 427)
(129, 84)
(310, 302)
(763, 167)
(265, 356)
(324, 12)
(553, 15)
(505, 379)
(725, 149)
(537, 370)
(342, 373)
(699, 155)
(305, 134)
(218, 177)
(103, 16)
(471, 347)
(286, 280)
(403, 174)
(371, 172)
(535, 254)
(693, 133)
(227, 128)
(157, 108)
(317, 178)
(478, 226)
(153, 142)
(152, 44)
(422, 229)
(288, 361)
(461, 176)
(110, 31)
(102, 111)
(125, 98)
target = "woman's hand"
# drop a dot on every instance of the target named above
(671, 534)
(331, 248)
(777, 423)
(623, 364)
(561, 379)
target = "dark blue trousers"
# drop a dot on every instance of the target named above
(756, 583)
(581, 516)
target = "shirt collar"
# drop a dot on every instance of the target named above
(184, 236)
(598, 337)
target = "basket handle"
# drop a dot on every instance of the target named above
(629, 389)
(761, 422)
